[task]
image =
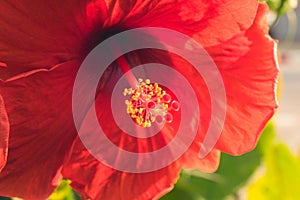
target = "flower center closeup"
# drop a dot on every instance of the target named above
(149, 103)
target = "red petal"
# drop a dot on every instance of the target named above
(40, 34)
(39, 110)
(97, 181)
(191, 160)
(250, 86)
(247, 63)
(4, 132)
(2, 64)
(210, 22)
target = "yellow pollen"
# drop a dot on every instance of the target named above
(149, 103)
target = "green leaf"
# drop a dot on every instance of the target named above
(282, 177)
(64, 192)
(279, 6)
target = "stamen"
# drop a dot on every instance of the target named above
(149, 103)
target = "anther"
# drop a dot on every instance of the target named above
(149, 103)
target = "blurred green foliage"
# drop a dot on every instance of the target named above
(281, 179)
(280, 7)
(64, 192)
(4, 198)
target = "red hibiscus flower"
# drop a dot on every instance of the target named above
(42, 45)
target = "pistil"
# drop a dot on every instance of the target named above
(149, 103)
